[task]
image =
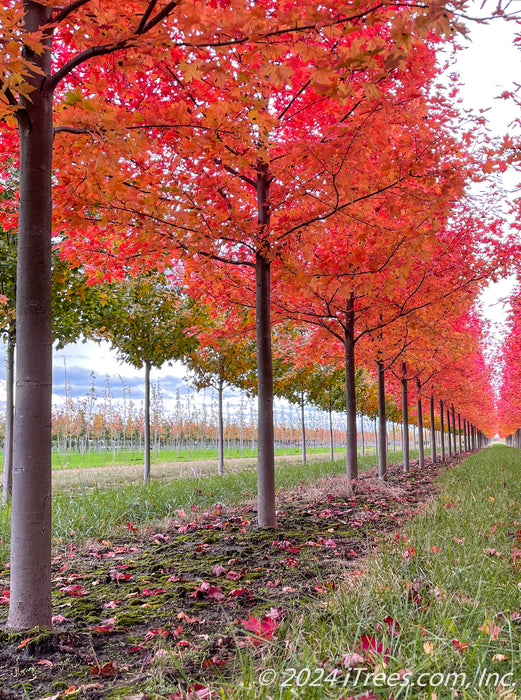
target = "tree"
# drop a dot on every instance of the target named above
(220, 359)
(145, 320)
(33, 33)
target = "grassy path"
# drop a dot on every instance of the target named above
(112, 475)
(437, 613)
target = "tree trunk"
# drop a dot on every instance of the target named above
(454, 429)
(331, 435)
(433, 431)
(362, 433)
(459, 432)
(266, 515)
(405, 413)
(30, 604)
(442, 437)
(382, 423)
(146, 469)
(349, 345)
(220, 422)
(9, 417)
(303, 427)
(448, 433)
(420, 427)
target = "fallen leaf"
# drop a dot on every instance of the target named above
(106, 671)
(428, 648)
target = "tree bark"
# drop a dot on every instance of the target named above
(30, 603)
(349, 345)
(266, 514)
(459, 433)
(382, 422)
(442, 436)
(405, 415)
(146, 469)
(303, 427)
(362, 433)
(433, 431)
(220, 429)
(448, 433)
(420, 427)
(331, 434)
(454, 429)
(9, 417)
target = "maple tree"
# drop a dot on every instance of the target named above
(218, 360)
(344, 64)
(33, 64)
(144, 319)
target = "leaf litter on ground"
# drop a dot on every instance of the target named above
(173, 597)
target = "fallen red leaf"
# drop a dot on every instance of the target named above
(459, 646)
(106, 671)
(263, 628)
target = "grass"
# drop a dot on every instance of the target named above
(98, 512)
(103, 458)
(435, 615)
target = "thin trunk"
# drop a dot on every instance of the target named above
(362, 433)
(382, 424)
(349, 345)
(405, 412)
(448, 433)
(266, 515)
(220, 421)
(433, 431)
(30, 597)
(146, 470)
(303, 427)
(331, 436)
(394, 436)
(454, 429)
(459, 431)
(9, 417)
(442, 429)
(420, 427)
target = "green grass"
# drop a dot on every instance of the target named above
(101, 511)
(441, 598)
(104, 458)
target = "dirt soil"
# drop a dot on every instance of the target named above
(151, 613)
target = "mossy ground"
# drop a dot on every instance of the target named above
(147, 612)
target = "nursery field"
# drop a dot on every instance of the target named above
(403, 589)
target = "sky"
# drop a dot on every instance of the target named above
(488, 65)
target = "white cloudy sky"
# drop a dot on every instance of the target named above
(488, 65)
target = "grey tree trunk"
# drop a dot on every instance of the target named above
(454, 429)
(405, 414)
(349, 345)
(448, 433)
(421, 449)
(146, 469)
(459, 432)
(331, 435)
(442, 429)
(382, 422)
(30, 603)
(303, 428)
(433, 431)
(266, 454)
(9, 417)
(220, 421)
(362, 433)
